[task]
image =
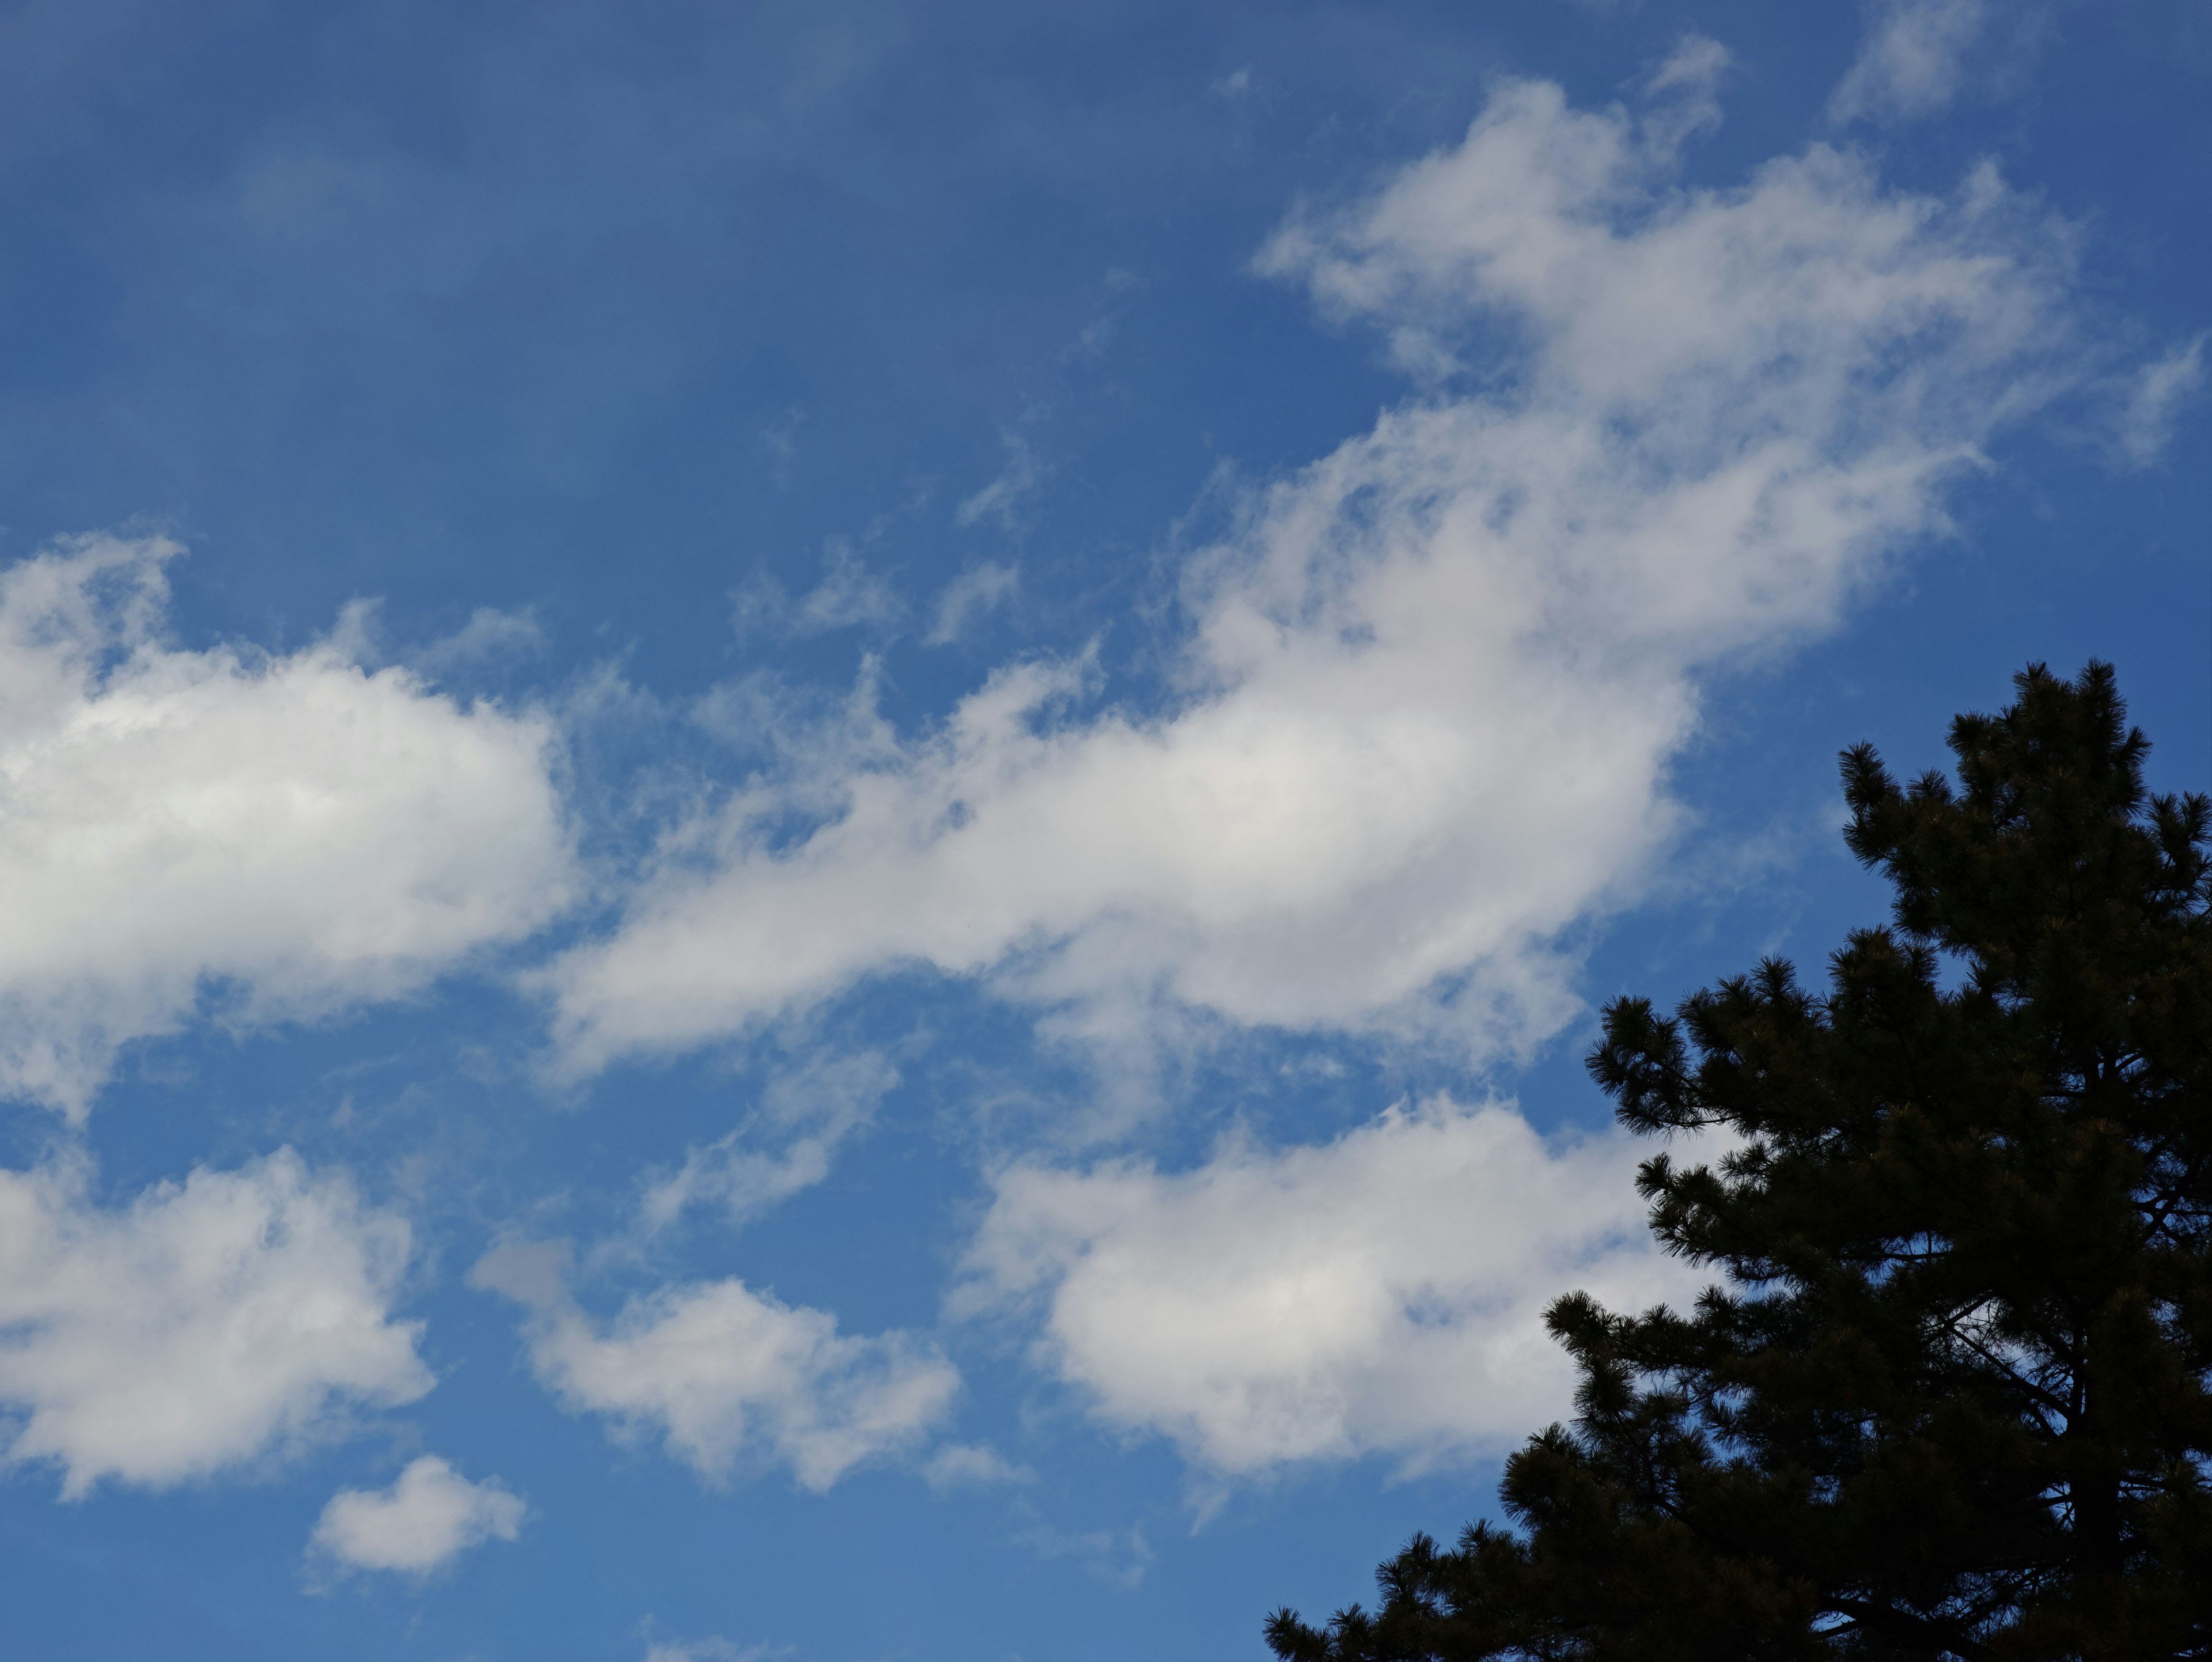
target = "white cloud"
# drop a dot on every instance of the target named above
(968, 1466)
(810, 1109)
(780, 439)
(1117, 1557)
(709, 1650)
(721, 1372)
(1006, 498)
(2161, 389)
(1433, 682)
(1682, 95)
(199, 1328)
(1384, 1292)
(975, 593)
(292, 832)
(1912, 60)
(849, 595)
(491, 639)
(430, 1515)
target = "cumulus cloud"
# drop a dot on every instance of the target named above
(199, 1327)
(1912, 60)
(291, 834)
(430, 1515)
(1382, 1293)
(721, 1372)
(1432, 683)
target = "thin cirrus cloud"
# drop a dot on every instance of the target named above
(293, 833)
(726, 1376)
(429, 1516)
(2157, 396)
(203, 1327)
(1380, 1295)
(805, 1113)
(1431, 682)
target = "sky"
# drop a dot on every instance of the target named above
(809, 814)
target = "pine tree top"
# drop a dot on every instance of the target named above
(1947, 1394)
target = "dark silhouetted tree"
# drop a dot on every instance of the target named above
(1947, 1395)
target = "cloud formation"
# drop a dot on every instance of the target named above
(975, 593)
(1382, 1293)
(285, 835)
(808, 1110)
(1433, 682)
(2159, 392)
(712, 1649)
(723, 1374)
(430, 1515)
(199, 1328)
(1912, 60)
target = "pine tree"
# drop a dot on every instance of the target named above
(1947, 1395)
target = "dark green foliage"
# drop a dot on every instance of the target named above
(1949, 1398)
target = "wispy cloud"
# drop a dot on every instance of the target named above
(779, 442)
(1430, 683)
(1919, 55)
(1119, 1557)
(805, 1114)
(2161, 391)
(967, 1465)
(1006, 498)
(976, 592)
(712, 1649)
(849, 594)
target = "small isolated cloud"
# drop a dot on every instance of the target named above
(805, 1113)
(779, 442)
(965, 1466)
(289, 835)
(490, 639)
(1119, 1557)
(723, 1374)
(1006, 497)
(710, 1650)
(974, 593)
(1383, 1294)
(1426, 692)
(1912, 60)
(429, 1516)
(2160, 391)
(848, 596)
(1682, 95)
(197, 1328)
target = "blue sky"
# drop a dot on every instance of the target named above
(810, 813)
